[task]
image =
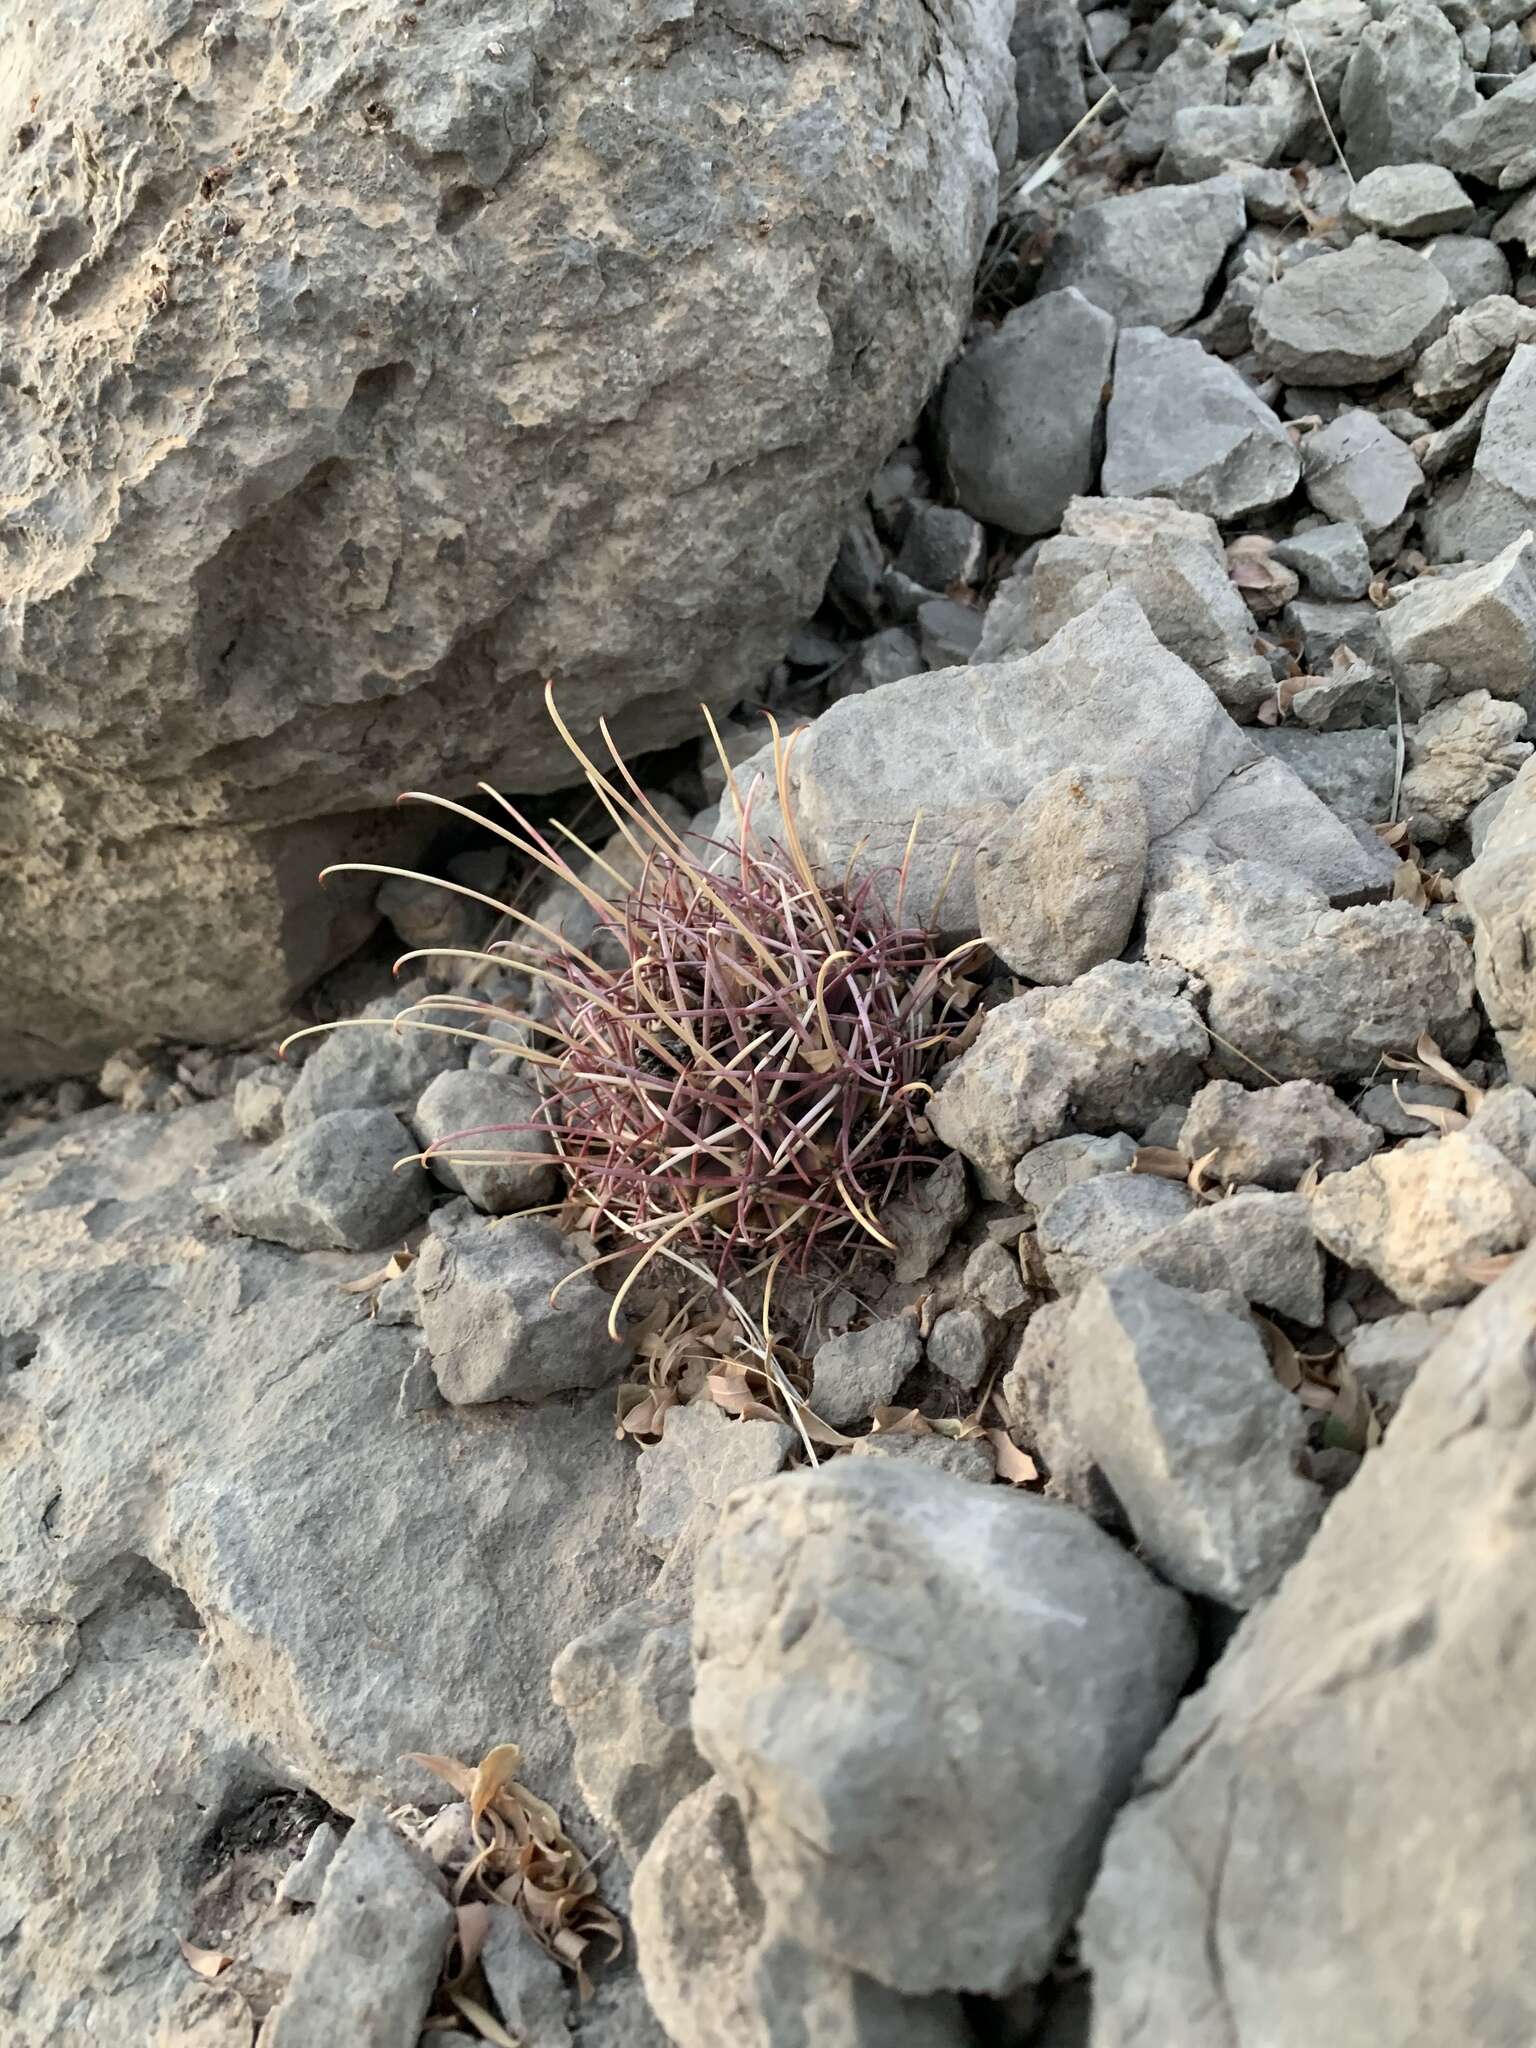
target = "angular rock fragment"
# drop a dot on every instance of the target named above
(1500, 891)
(1253, 1248)
(1058, 888)
(1358, 470)
(1184, 425)
(1352, 317)
(1150, 257)
(1447, 636)
(1495, 505)
(1352, 772)
(703, 1456)
(1407, 77)
(1271, 1137)
(1406, 200)
(329, 1185)
(1041, 1174)
(493, 1112)
(1473, 350)
(1494, 139)
(1099, 1223)
(376, 1066)
(1332, 560)
(853, 1375)
(1458, 754)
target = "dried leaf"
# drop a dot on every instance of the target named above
(203, 1962)
(497, 1766)
(1284, 1360)
(1269, 711)
(900, 1422)
(1202, 1166)
(729, 1390)
(448, 1768)
(472, 1925)
(1160, 1160)
(821, 1432)
(485, 2023)
(1482, 1272)
(1379, 591)
(1428, 1054)
(1308, 1183)
(1013, 1465)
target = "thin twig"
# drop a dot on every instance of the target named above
(1301, 44)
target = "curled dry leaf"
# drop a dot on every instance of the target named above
(207, 1963)
(1431, 1064)
(1014, 1466)
(1483, 1272)
(485, 2023)
(1160, 1160)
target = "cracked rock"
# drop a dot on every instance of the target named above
(1499, 889)
(1270, 1137)
(1407, 77)
(1253, 1248)
(1149, 258)
(1474, 349)
(1351, 317)
(1494, 139)
(1459, 753)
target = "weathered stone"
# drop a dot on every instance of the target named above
(1421, 1216)
(921, 1223)
(1358, 470)
(1020, 412)
(259, 1100)
(1057, 890)
(1104, 1053)
(1495, 505)
(1406, 78)
(532, 1992)
(941, 546)
(1499, 889)
(992, 1278)
(1254, 1247)
(1323, 629)
(375, 1948)
(1449, 635)
(1333, 560)
(1271, 1137)
(1473, 350)
(1204, 141)
(926, 1864)
(960, 1344)
(1506, 1119)
(1352, 772)
(1100, 1222)
(1047, 46)
(1182, 1413)
(948, 633)
(1494, 139)
(1183, 425)
(1149, 258)
(1385, 1356)
(1351, 317)
(1458, 754)
(853, 1375)
(1408, 200)
(483, 1293)
(1301, 991)
(703, 1456)
(1249, 1842)
(1043, 1173)
(1037, 1396)
(487, 1112)
(1474, 267)
(330, 1185)
(609, 291)
(1171, 562)
(721, 1975)
(959, 1457)
(380, 1064)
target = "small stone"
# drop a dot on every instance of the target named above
(1206, 140)
(1351, 317)
(1473, 350)
(942, 546)
(1271, 1137)
(1474, 267)
(426, 914)
(1099, 1223)
(965, 1458)
(1357, 470)
(1499, 889)
(1042, 1174)
(1191, 75)
(948, 633)
(1332, 560)
(1323, 629)
(1506, 1119)
(1494, 139)
(960, 1343)
(259, 1102)
(331, 1185)
(1494, 506)
(1047, 45)
(301, 1881)
(921, 1223)
(483, 1290)
(1352, 772)
(1410, 200)
(1385, 1355)
(1148, 258)
(494, 1112)
(1183, 425)
(853, 1375)
(370, 1066)
(1389, 1106)
(374, 1949)
(1037, 1398)
(992, 1278)
(1458, 754)
(1182, 1412)
(418, 1392)
(1449, 635)
(1407, 77)
(703, 1456)
(885, 657)
(1421, 1216)
(1253, 1248)
(528, 1985)
(1020, 410)
(1057, 891)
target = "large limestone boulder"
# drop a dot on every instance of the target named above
(365, 366)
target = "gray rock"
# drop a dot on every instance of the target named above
(224, 673)
(1253, 816)
(703, 1456)
(259, 1100)
(1358, 470)
(1242, 1806)
(1271, 1137)
(921, 1223)
(1020, 411)
(1006, 625)
(1449, 635)
(721, 1974)
(424, 914)
(948, 633)
(1351, 772)
(1095, 1225)
(1472, 266)
(885, 657)
(965, 1458)
(1171, 562)
(1350, 317)
(1496, 504)
(1421, 1216)
(1506, 1119)
(1192, 75)
(1047, 44)
(626, 1688)
(992, 1278)
(531, 1990)
(1179, 1408)
(960, 1344)
(926, 1864)
(1299, 991)
(330, 1185)
(941, 546)
(1499, 889)
(1459, 753)
(1494, 139)
(1043, 1173)
(1149, 258)
(1204, 141)
(1473, 350)
(371, 1065)
(1353, 693)
(375, 1948)
(1385, 1356)
(1037, 1397)
(303, 1880)
(966, 746)
(1253, 1248)
(1323, 629)
(1409, 200)
(1183, 425)
(853, 1375)
(1332, 560)
(494, 1112)
(1104, 1053)
(1058, 888)
(483, 1292)
(1406, 78)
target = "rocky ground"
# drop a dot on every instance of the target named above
(1127, 1642)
